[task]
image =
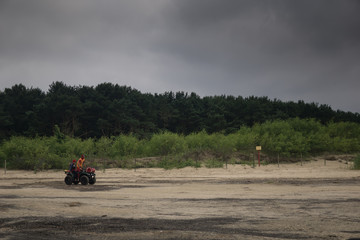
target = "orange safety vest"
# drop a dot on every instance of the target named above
(80, 163)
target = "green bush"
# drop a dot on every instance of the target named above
(166, 144)
(124, 147)
(103, 147)
(30, 154)
(223, 146)
(75, 147)
(245, 139)
(200, 141)
(279, 137)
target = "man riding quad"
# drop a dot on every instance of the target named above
(80, 163)
(77, 174)
(72, 166)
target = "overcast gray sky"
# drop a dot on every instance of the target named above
(290, 50)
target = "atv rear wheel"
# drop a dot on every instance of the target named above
(68, 180)
(84, 180)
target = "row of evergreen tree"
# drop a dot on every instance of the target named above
(111, 110)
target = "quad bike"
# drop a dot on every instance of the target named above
(83, 176)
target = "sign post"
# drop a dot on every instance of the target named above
(258, 148)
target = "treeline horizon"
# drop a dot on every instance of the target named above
(111, 110)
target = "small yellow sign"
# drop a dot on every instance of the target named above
(258, 148)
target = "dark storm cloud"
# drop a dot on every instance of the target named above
(325, 25)
(286, 49)
(289, 50)
(78, 42)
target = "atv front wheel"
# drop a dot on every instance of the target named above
(92, 181)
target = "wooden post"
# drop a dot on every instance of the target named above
(5, 166)
(253, 160)
(104, 165)
(347, 159)
(135, 164)
(301, 158)
(278, 160)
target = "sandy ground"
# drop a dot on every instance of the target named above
(312, 201)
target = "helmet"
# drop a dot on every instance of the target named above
(74, 160)
(82, 155)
